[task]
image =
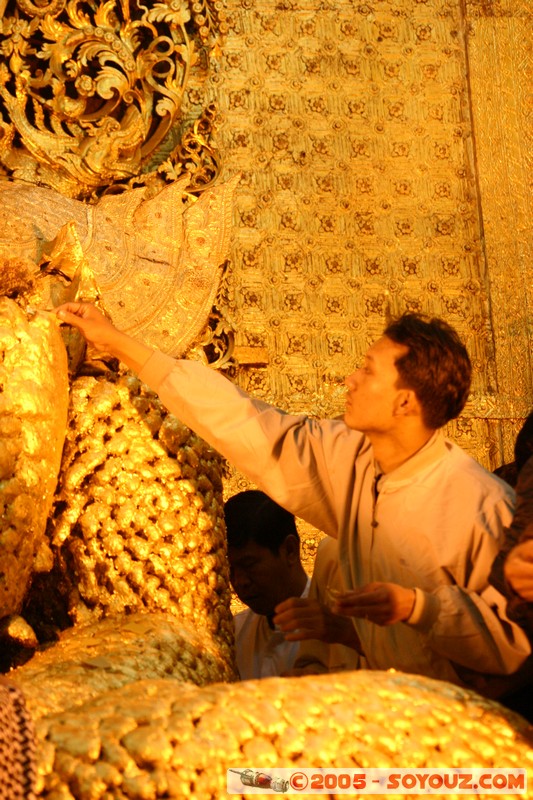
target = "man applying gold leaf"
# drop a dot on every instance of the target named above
(419, 522)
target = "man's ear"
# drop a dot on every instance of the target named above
(291, 547)
(406, 404)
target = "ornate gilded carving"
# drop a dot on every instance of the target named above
(89, 91)
(359, 198)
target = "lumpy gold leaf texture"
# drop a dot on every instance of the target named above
(138, 521)
(163, 738)
(33, 417)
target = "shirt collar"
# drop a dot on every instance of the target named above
(434, 449)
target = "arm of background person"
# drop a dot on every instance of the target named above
(467, 621)
(306, 618)
(518, 566)
(518, 569)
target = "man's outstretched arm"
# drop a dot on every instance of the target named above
(249, 432)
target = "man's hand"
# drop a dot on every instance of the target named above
(103, 335)
(301, 618)
(382, 603)
(96, 328)
(518, 569)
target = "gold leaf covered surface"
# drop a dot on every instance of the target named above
(365, 194)
(92, 659)
(138, 522)
(176, 740)
(33, 418)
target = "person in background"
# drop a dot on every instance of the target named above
(266, 572)
(418, 521)
(523, 450)
(518, 567)
(265, 569)
(512, 571)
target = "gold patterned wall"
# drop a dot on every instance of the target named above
(500, 50)
(383, 148)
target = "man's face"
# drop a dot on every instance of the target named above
(372, 392)
(259, 577)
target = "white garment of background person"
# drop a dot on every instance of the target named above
(261, 650)
(315, 656)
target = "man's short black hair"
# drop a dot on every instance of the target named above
(253, 516)
(436, 367)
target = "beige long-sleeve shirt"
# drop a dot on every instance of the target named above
(436, 525)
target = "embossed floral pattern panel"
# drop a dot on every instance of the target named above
(351, 126)
(500, 47)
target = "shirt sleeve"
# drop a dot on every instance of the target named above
(469, 624)
(284, 455)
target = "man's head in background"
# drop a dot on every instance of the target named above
(263, 551)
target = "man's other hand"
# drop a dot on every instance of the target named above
(381, 603)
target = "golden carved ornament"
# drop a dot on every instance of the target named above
(89, 91)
